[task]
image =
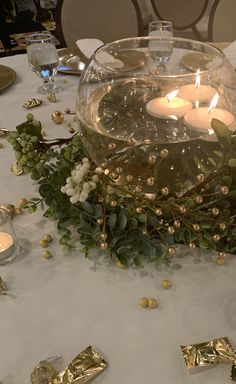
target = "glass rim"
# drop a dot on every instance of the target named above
(105, 47)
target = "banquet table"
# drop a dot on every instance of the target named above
(61, 305)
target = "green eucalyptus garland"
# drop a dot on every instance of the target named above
(131, 226)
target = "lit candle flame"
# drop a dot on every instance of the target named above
(214, 102)
(172, 94)
(198, 79)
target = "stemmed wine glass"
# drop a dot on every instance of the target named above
(43, 59)
(160, 50)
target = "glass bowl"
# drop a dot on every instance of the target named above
(148, 121)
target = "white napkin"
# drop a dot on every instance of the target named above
(230, 53)
(89, 46)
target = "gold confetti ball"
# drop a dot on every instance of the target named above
(220, 260)
(224, 190)
(165, 191)
(47, 238)
(166, 284)
(47, 254)
(57, 117)
(104, 246)
(196, 227)
(143, 302)
(18, 211)
(43, 243)
(200, 178)
(164, 153)
(216, 237)
(23, 202)
(152, 303)
(198, 199)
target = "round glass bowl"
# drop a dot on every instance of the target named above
(149, 124)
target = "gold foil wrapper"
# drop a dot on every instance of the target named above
(85, 366)
(208, 353)
(31, 103)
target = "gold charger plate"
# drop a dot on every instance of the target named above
(197, 60)
(7, 76)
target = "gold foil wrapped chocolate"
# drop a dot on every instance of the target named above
(208, 353)
(32, 103)
(84, 367)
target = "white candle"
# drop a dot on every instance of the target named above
(6, 245)
(202, 93)
(168, 106)
(200, 118)
(197, 92)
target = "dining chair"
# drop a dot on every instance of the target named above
(107, 20)
(188, 17)
(222, 24)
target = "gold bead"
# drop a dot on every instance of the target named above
(164, 153)
(215, 211)
(43, 243)
(113, 203)
(18, 211)
(47, 238)
(139, 210)
(103, 236)
(99, 221)
(111, 146)
(171, 250)
(220, 260)
(192, 245)
(222, 254)
(104, 246)
(23, 202)
(158, 212)
(177, 224)
(150, 181)
(196, 227)
(143, 302)
(182, 209)
(171, 230)
(119, 170)
(198, 199)
(165, 191)
(152, 159)
(152, 303)
(129, 178)
(222, 226)
(138, 189)
(216, 237)
(131, 141)
(114, 175)
(224, 190)
(57, 117)
(200, 178)
(47, 254)
(166, 284)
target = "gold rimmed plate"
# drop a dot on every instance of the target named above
(7, 77)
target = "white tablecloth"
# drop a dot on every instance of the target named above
(64, 304)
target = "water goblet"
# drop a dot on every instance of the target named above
(160, 49)
(43, 59)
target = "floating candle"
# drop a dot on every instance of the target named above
(200, 118)
(6, 245)
(197, 91)
(168, 106)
